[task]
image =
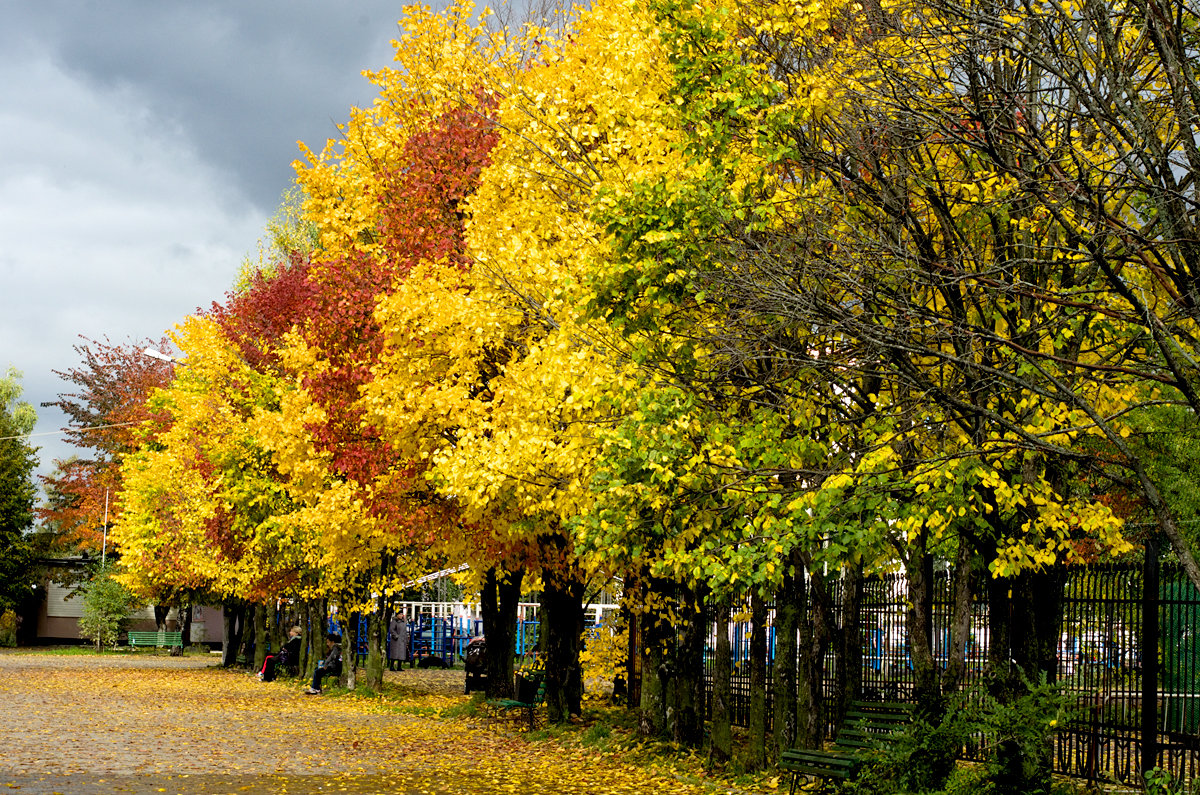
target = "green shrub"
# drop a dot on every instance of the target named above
(922, 756)
(1163, 782)
(1018, 734)
(1015, 734)
(8, 628)
(106, 603)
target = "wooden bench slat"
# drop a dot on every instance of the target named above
(155, 638)
(805, 753)
(824, 773)
(827, 761)
(879, 717)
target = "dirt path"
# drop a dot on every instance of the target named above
(151, 724)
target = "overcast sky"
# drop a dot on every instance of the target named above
(143, 146)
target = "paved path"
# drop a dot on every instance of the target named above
(84, 725)
(107, 723)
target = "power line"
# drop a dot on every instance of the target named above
(61, 431)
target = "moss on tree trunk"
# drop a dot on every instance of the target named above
(757, 751)
(721, 748)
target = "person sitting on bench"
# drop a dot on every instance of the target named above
(330, 666)
(289, 655)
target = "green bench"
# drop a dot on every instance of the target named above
(530, 694)
(866, 726)
(169, 639)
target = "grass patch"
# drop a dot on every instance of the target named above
(472, 708)
(596, 736)
(86, 650)
(67, 651)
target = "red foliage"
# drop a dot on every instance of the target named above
(421, 218)
(257, 317)
(107, 416)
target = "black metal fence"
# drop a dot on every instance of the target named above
(1129, 655)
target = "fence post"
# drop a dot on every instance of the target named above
(1149, 654)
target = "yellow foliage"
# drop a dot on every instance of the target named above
(605, 651)
(202, 504)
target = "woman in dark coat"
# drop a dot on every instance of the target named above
(288, 656)
(397, 641)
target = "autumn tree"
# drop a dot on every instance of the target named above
(884, 235)
(203, 506)
(503, 374)
(17, 492)
(105, 416)
(409, 163)
(339, 340)
(1112, 174)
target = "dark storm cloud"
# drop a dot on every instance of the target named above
(143, 144)
(242, 81)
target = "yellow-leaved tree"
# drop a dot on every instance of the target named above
(202, 497)
(491, 370)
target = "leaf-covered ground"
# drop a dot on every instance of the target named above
(148, 724)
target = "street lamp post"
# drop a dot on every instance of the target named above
(104, 542)
(154, 353)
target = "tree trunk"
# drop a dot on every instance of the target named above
(314, 634)
(655, 634)
(376, 629)
(279, 621)
(1022, 767)
(306, 637)
(249, 634)
(721, 749)
(501, 593)
(231, 636)
(185, 626)
(850, 642)
(261, 632)
(561, 633)
(160, 617)
(758, 683)
(960, 620)
(687, 714)
(930, 770)
(652, 707)
(814, 641)
(349, 678)
(927, 692)
(1000, 621)
(788, 604)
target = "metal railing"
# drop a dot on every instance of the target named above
(1133, 707)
